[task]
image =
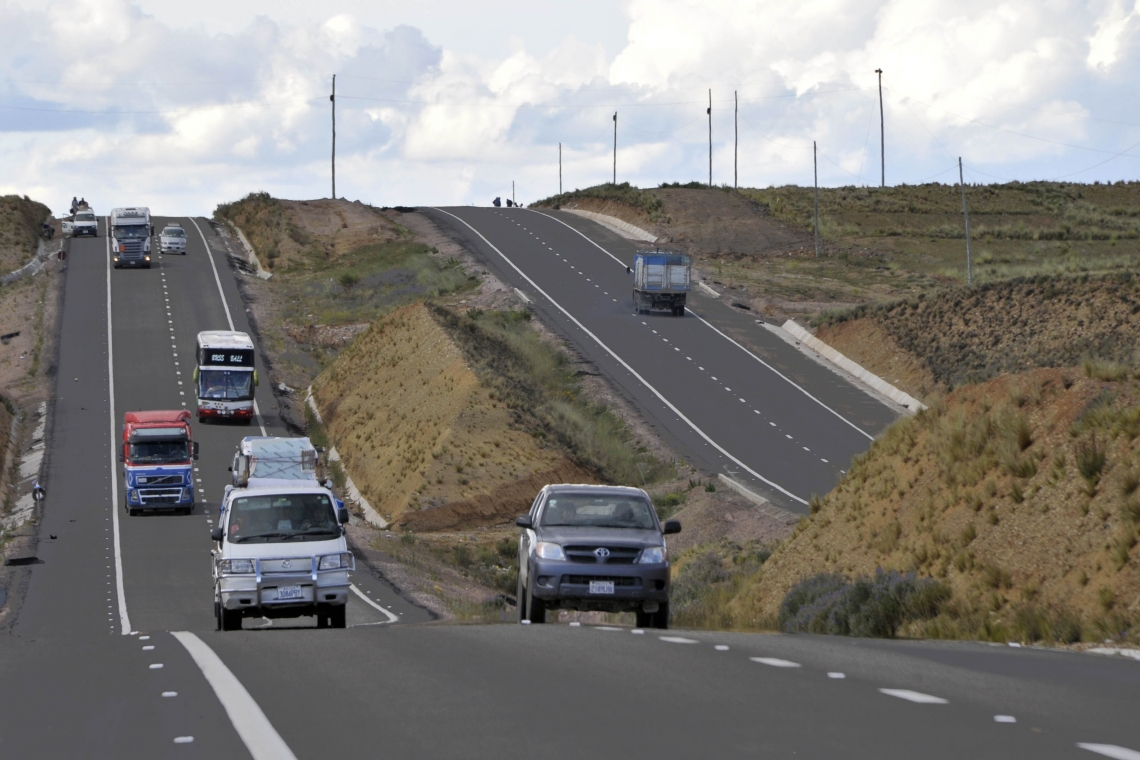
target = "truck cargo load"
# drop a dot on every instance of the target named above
(661, 281)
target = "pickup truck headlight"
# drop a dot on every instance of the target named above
(654, 555)
(235, 566)
(336, 561)
(547, 550)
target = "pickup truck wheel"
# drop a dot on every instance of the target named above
(231, 620)
(535, 607)
(338, 616)
(520, 598)
(661, 617)
(644, 619)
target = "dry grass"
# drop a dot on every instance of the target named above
(1019, 493)
(20, 220)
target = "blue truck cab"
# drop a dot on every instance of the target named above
(158, 452)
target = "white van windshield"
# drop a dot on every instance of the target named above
(288, 517)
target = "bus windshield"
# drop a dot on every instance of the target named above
(224, 384)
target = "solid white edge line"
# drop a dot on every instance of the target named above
(628, 368)
(779, 374)
(255, 730)
(124, 619)
(226, 306)
(915, 696)
(1110, 750)
(391, 618)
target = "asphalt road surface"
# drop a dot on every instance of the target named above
(763, 413)
(114, 652)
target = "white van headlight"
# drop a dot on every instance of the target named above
(236, 566)
(336, 561)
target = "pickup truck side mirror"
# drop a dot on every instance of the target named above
(216, 534)
(342, 516)
(524, 521)
(195, 449)
(672, 526)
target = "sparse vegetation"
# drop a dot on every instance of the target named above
(623, 193)
(867, 606)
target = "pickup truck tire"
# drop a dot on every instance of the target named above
(520, 598)
(661, 617)
(230, 620)
(338, 616)
(535, 607)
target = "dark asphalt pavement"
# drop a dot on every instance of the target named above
(769, 416)
(73, 685)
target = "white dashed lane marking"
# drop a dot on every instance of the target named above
(776, 662)
(1110, 750)
(915, 696)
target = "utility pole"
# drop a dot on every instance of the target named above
(332, 100)
(513, 193)
(966, 214)
(710, 137)
(735, 140)
(615, 148)
(882, 130)
(815, 173)
(560, 168)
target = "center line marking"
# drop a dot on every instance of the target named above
(775, 662)
(915, 696)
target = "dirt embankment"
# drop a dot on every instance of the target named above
(1020, 492)
(20, 220)
(424, 440)
(928, 344)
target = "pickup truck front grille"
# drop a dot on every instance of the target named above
(584, 580)
(617, 555)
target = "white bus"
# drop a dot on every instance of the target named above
(225, 377)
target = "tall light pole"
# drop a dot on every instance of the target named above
(710, 137)
(332, 101)
(882, 130)
(815, 180)
(560, 168)
(966, 214)
(615, 148)
(735, 140)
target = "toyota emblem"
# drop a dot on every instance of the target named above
(601, 553)
(286, 563)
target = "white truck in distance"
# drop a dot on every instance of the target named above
(280, 548)
(130, 237)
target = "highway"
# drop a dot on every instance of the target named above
(113, 652)
(771, 416)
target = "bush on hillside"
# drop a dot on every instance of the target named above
(621, 193)
(867, 606)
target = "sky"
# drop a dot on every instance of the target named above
(181, 106)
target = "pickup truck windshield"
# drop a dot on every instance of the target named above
(222, 384)
(598, 512)
(130, 231)
(279, 518)
(159, 452)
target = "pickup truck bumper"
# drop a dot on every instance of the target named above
(567, 585)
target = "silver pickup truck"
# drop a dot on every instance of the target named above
(172, 239)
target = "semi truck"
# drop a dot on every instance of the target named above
(130, 237)
(280, 550)
(660, 281)
(157, 452)
(225, 377)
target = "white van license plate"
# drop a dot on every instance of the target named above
(289, 592)
(601, 587)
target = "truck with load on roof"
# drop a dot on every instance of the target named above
(157, 452)
(130, 234)
(660, 281)
(280, 550)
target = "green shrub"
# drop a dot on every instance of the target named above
(867, 606)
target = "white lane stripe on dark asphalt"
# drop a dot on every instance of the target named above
(721, 334)
(226, 306)
(391, 618)
(775, 662)
(624, 364)
(678, 640)
(1111, 750)
(915, 696)
(255, 730)
(124, 619)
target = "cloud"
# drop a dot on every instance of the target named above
(104, 100)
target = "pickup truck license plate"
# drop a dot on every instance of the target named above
(601, 587)
(289, 592)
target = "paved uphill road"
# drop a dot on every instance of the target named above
(780, 421)
(114, 653)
